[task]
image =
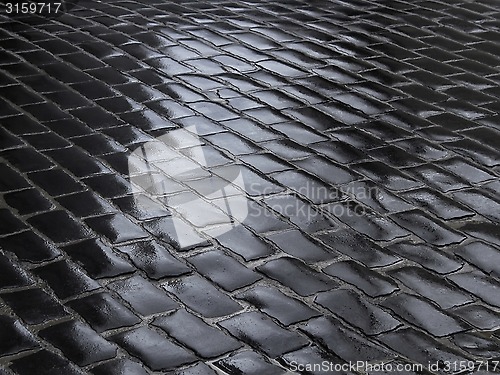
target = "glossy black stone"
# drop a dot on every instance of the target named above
(9, 140)
(154, 259)
(98, 259)
(431, 286)
(356, 246)
(422, 148)
(298, 245)
(28, 246)
(165, 230)
(480, 203)
(34, 306)
(287, 150)
(438, 204)
(247, 362)
(479, 316)
(46, 363)
(197, 335)
(475, 150)
(375, 197)
(116, 228)
(59, 226)
(86, 203)
(260, 219)
(109, 185)
(28, 201)
(414, 345)
(119, 367)
(201, 296)
(129, 205)
(466, 170)
(437, 178)
(425, 315)
(484, 231)
(485, 287)
(223, 270)
(143, 296)
(427, 228)
(270, 300)
(313, 359)
(263, 334)
(329, 172)
(368, 281)
(288, 270)
(483, 256)
(316, 191)
(9, 223)
(26, 159)
(339, 150)
(12, 275)
(244, 243)
(300, 212)
(55, 182)
(77, 162)
(476, 345)
(366, 221)
(78, 342)
(198, 369)
(66, 280)
(366, 137)
(103, 312)
(344, 342)
(310, 116)
(15, 337)
(153, 349)
(427, 256)
(358, 311)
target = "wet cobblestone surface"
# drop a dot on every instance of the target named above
(365, 136)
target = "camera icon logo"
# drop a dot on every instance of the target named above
(179, 172)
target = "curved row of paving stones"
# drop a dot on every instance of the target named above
(395, 98)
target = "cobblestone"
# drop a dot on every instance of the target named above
(142, 296)
(15, 337)
(361, 223)
(201, 296)
(247, 362)
(431, 286)
(285, 309)
(415, 345)
(103, 312)
(368, 281)
(287, 270)
(200, 336)
(263, 334)
(358, 247)
(424, 315)
(153, 349)
(65, 279)
(34, 306)
(97, 259)
(78, 342)
(344, 342)
(119, 366)
(356, 310)
(43, 361)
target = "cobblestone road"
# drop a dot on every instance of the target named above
(358, 140)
